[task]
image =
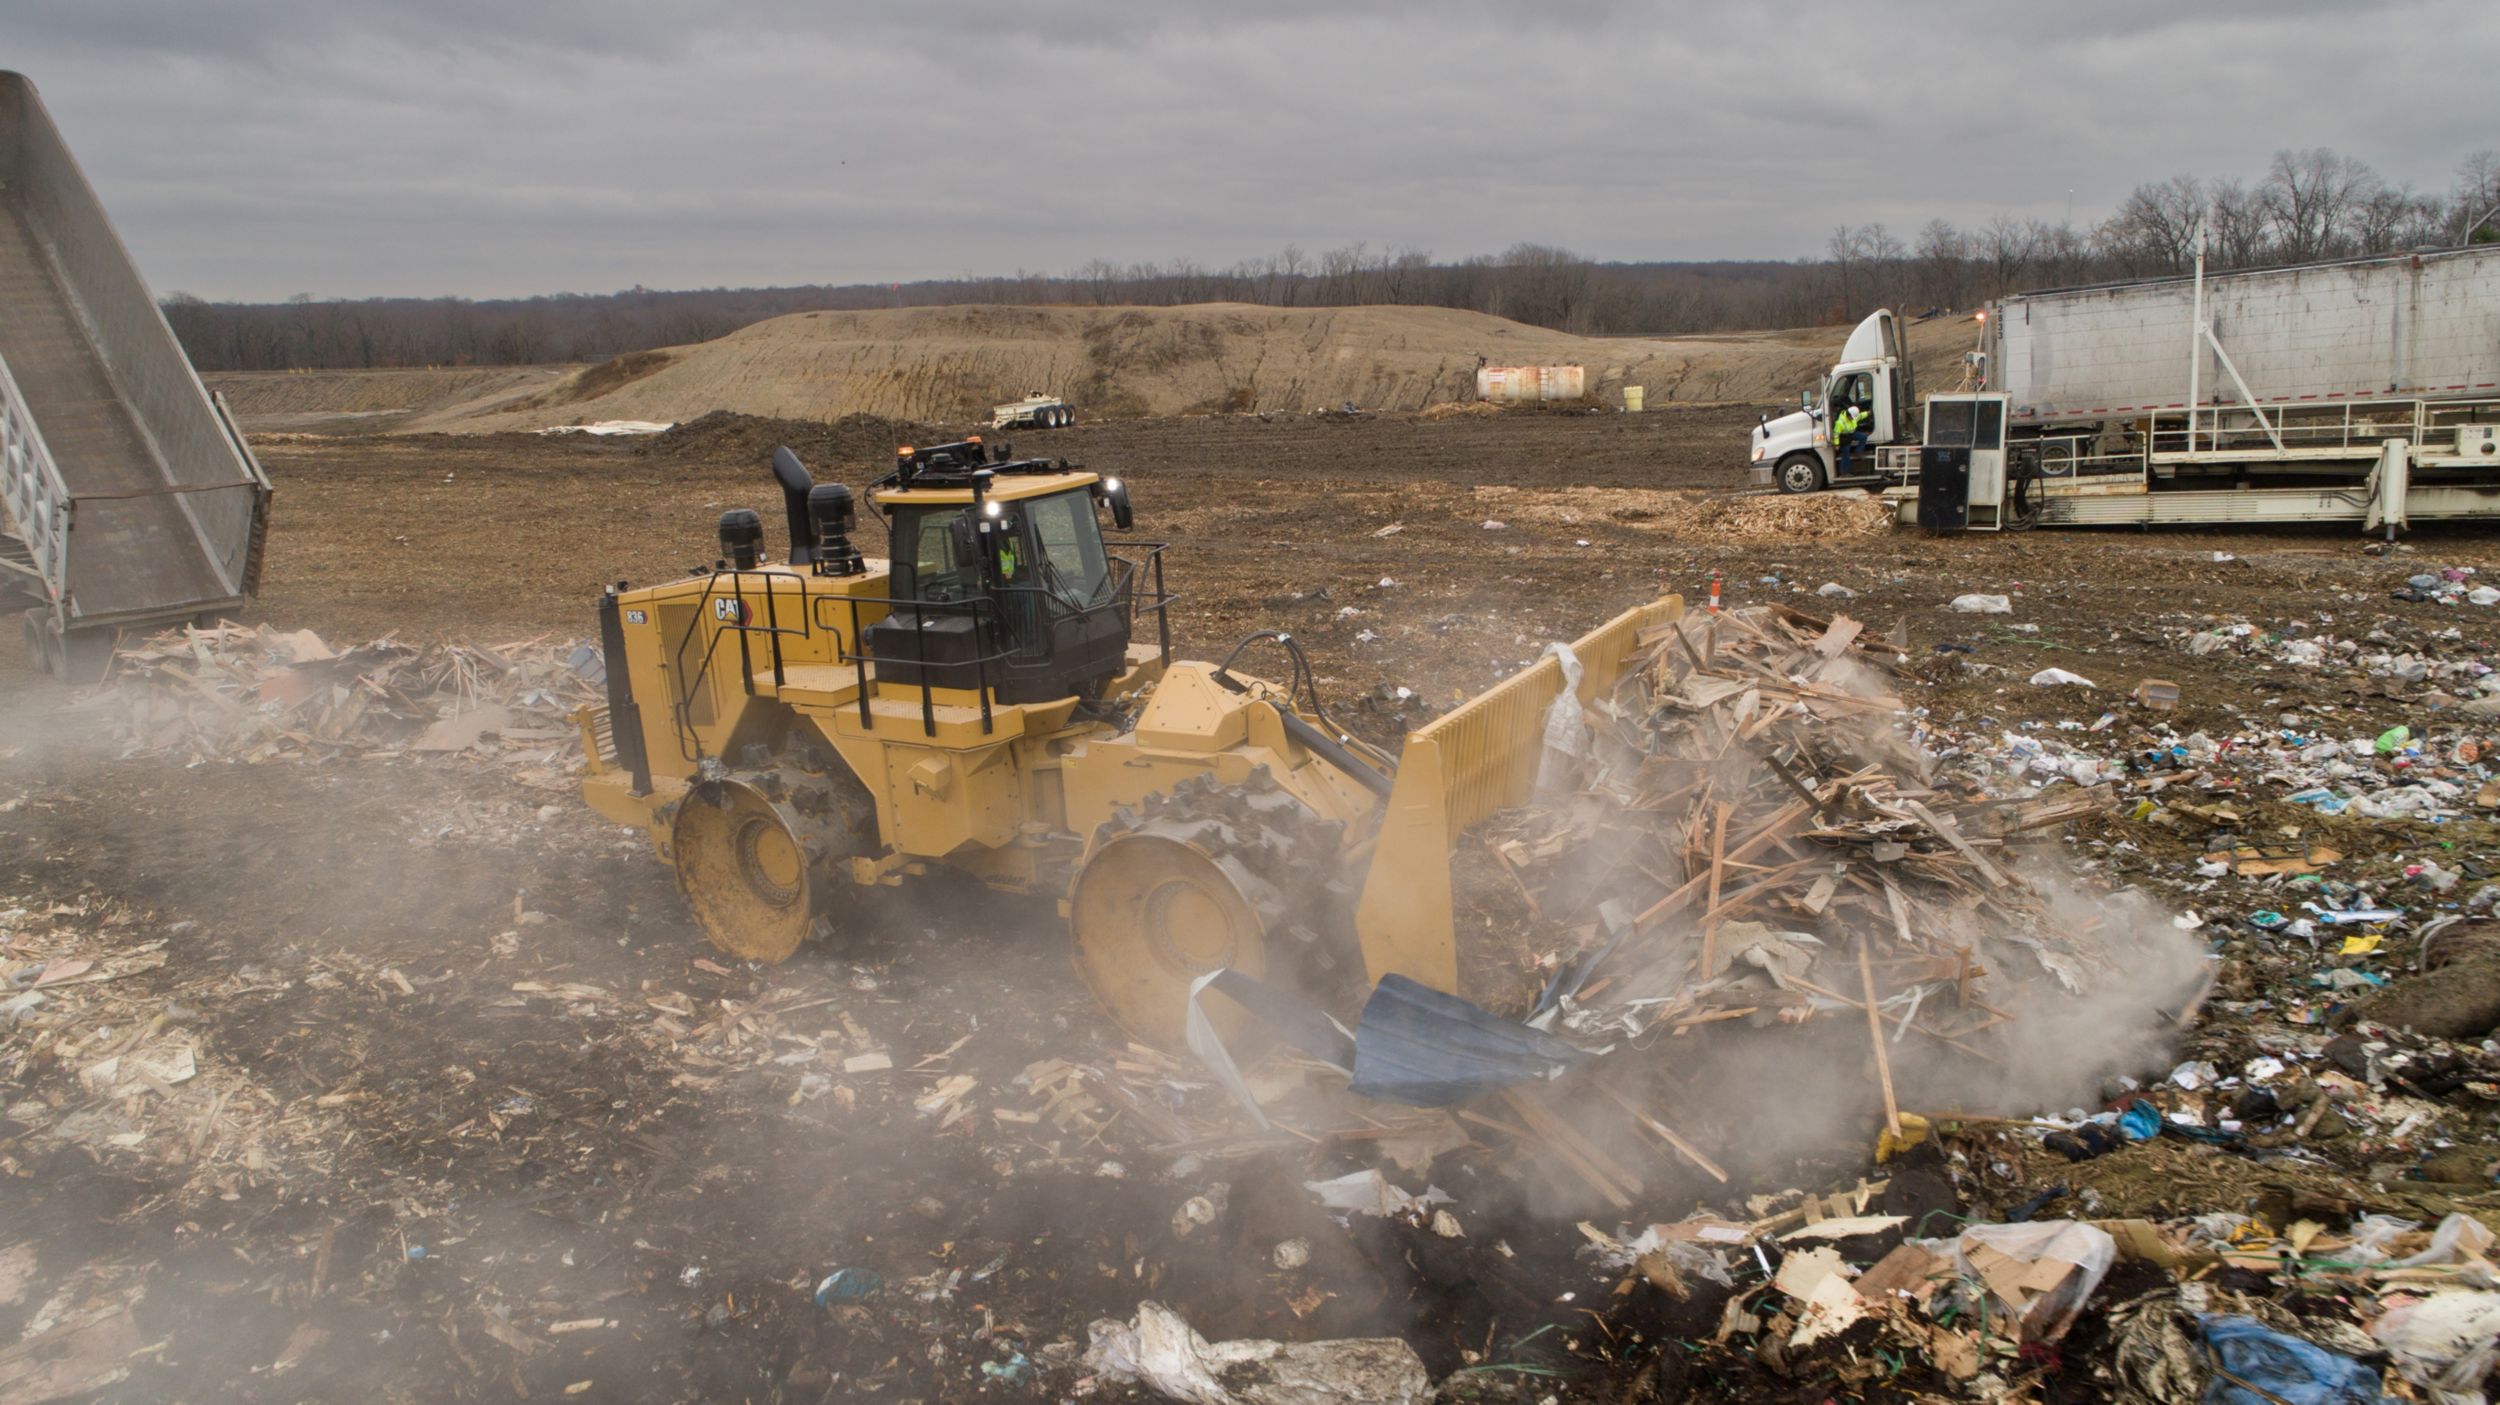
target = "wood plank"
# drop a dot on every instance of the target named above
(1875, 1027)
(1665, 1134)
(1951, 834)
(1710, 919)
(1574, 1150)
(1682, 897)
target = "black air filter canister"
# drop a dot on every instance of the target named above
(741, 538)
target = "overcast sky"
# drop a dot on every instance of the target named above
(261, 148)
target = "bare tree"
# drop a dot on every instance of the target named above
(1842, 249)
(2477, 193)
(2154, 229)
(1943, 264)
(2005, 250)
(2310, 200)
(2237, 230)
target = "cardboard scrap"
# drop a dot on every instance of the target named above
(1907, 1272)
(1832, 1308)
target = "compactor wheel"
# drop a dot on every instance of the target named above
(1206, 877)
(744, 870)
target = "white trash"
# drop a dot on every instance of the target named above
(1566, 727)
(1167, 1355)
(1982, 604)
(2445, 1343)
(2059, 678)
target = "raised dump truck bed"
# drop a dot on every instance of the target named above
(131, 499)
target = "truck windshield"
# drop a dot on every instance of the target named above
(1074, 571)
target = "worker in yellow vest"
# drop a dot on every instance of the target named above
(1849, 430)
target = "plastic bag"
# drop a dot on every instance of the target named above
(2267, 1367)
(2045, 1314)
(2058, 677)
(2371, 1234)
(2459, 1239)
(2445, 1343)
(1169, 1357)
(1983, 604)
(1566, 729)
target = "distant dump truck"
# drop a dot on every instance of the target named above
(2362, 390)
(1035, 411)
(130, 499)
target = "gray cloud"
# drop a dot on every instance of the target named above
(257, 148)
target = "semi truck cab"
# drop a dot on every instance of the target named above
(1795, 452)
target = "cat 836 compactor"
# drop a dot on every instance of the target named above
(1001, 700)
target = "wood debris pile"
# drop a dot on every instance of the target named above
(1750, 834)
(253, 694)
(1786, 519)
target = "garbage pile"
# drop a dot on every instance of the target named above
(1745, 838)
(248, 695)
(2448, 586)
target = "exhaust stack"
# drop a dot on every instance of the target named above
(795, 483)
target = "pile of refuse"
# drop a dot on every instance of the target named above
(1741, 843)
(232, 693)
(2449, 586)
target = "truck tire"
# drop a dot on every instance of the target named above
(1799, 473)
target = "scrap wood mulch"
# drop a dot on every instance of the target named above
(1751, 835)
(237, 694)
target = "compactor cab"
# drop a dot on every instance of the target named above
(1000, 576)
(980, 700)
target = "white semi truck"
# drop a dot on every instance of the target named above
(1795, 452)
(2365, 390)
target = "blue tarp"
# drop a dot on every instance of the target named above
(2274, 1369)
(1420, 1047)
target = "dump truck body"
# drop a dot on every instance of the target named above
(131, 497)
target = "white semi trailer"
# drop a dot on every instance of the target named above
(2362, 390)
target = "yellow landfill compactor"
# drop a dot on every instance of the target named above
(984, 702)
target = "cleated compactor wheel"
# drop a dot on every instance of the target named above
(1206, 877)
(744, 869)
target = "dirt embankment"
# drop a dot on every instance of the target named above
(353, 402)
(953, 363)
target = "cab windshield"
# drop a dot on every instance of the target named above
(1073, 570)
(1054, 548)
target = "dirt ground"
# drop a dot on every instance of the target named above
(532, 1140)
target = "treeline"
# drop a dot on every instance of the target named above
(2309, 205)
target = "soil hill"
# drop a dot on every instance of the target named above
(373, 401)
(953, 363)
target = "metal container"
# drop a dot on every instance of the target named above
(1525, 383)
(137, 498)
(2410, 325)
